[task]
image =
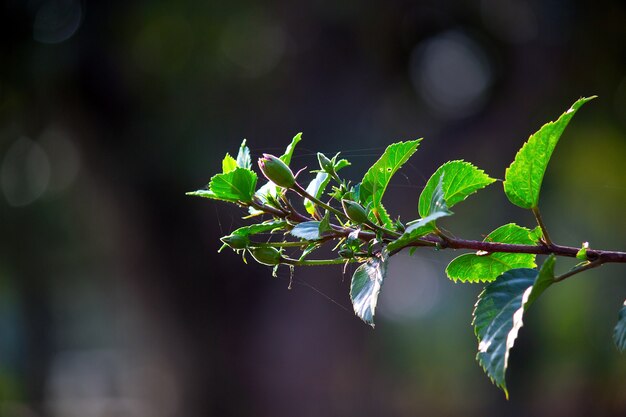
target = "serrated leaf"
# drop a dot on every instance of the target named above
(286, 157)
(254, 229)
(619, 334)
(499, 312)
(524, 177)
(377, 178)
(316, 189)
(228, 164)
(480, 268)
(416, 229)
(536, 234)
(365, 288)
(243, 157)
(307, 230)
(461, 179)
(237, 185)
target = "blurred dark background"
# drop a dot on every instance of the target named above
(113, 300)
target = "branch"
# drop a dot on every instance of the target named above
(605, 256)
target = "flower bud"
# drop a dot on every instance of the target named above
(236, 241)
(354, 211)
(325, 163)
(276, 171)
(266, 255)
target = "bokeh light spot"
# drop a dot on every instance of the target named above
(254, 43)
(452, 74)
(63, 156)
(57, 20)
(25, 172)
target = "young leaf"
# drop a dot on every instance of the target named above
(365, 288)
(307, 230)
(286, 157)
(243, 157)
(499, 312)
(308, 250)
(416, 229)
(235, 186)
(582, 253)
(228, 164)
(524, 177)
(619, 334)
(476, 268)
(377, 178)
(325, 224)
(461, 180)
(254, 229)
(316, 189)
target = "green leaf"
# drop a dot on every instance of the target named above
(543, 281)
(377, 178)
(582, 253)
(243, 157)
(619, 334)
(342, 163)
(254, 229)
(499, 312)
(365, 288)
(480, 268)
(286, 157)
(228, 164)
(524, 177)
(316, 189)
(235, 186)
(307, 230)
(461, 180)
(325, 224)
(416, 229)
(536, 234)
(308, 250)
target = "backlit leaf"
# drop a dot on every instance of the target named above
(316, 189)
(499, 312)
(237, 185)
(228, 164)
(377, 178)
(416, 229)
(365, 288)
(286, 157)
(461, 179)
(243, 157)
(254, 229)
(524, 177)
(471, 267)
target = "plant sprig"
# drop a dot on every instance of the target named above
(352, 218)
